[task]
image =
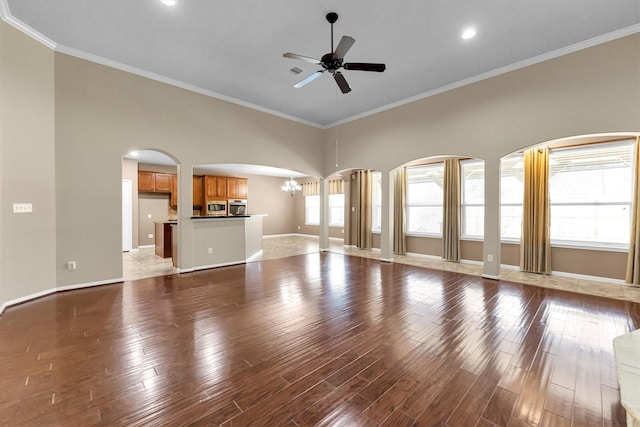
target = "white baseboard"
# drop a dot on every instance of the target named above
(269, 236)
(207, 267)
(491, 276)
(572, 275)
(146, 246)
(50, 291)
(591, 278)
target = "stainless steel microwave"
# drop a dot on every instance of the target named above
(237, 207)
(217, 208)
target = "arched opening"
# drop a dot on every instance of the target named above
(590, 191)
(443, 205)
(149, 214)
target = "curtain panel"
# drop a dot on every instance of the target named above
(633, 258)
(336, 186)
(399, 214)
(451, 211)
(535, 244)
(311, 188)
(364, 237)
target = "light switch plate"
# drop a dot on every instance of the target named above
(22, 208)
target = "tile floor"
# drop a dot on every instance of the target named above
(144, 263)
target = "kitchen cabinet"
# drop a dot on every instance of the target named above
(215, 187)
(154, 182)
(198, 191)
(163, 182)
(237, 188)
(146, 181)
(173, 201)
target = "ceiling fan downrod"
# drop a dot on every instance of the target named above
(332, 17)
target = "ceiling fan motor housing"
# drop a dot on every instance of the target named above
(330, 63)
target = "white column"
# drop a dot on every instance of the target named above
(386, 233)
(491, 246)
(185, 211)
(324, 215)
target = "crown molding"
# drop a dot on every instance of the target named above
(5, 14)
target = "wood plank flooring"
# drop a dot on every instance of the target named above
(321, 339)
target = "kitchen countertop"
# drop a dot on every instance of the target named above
(222, 217)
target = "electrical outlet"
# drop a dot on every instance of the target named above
(210, 251)
(490, 258)
(298, 227)
(71, 265)
(150, 235)
(22, 208)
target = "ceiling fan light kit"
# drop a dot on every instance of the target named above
(333, 61)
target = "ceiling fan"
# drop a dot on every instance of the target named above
(332, 61)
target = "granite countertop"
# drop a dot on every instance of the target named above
(220, 217)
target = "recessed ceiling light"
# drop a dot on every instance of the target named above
(169, 2)
(469, 33)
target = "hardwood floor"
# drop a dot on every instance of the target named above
(317, 339)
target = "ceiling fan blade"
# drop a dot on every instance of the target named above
(342, 82)
(343, 47)
(364, 66)
(301, 58)
(309, 79)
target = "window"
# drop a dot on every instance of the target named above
(424, 199)
(312, 210)
(511, 196)
(472, 200)
(590, 189)
(336, 210)
(376, 201)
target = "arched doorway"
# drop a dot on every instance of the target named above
(149, 214)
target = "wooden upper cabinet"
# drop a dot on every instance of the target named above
(154, 182)
(163, 182)
(215, 187)
(173, 202)
(198, 190)
(237, 188)
(146, 181)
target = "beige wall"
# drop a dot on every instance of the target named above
(105, 113)
(27, 175)
(266, 197)
(156, 206)
(595, 90)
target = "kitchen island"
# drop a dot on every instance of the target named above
(220, 241)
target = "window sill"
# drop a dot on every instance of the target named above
(431, 236)
(581, 246)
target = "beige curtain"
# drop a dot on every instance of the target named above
(310, 188)
(399, 191)
(535, 244)
(451, 211)
(336, 186)
(633, 258)
(363, 218)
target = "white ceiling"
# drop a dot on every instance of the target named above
(233, 49)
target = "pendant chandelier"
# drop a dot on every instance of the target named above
(291, 187)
